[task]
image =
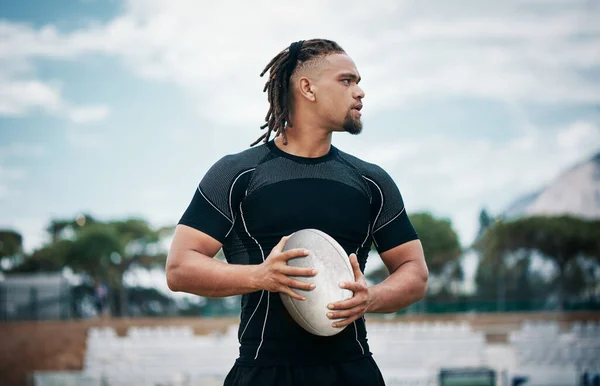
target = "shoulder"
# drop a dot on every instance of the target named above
(241, 161)
(368, 170)
(230, 168)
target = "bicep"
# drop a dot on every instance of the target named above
(411, 251)
(187, 238)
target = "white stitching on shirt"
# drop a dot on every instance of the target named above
(211, 204)
(389, 221)
(263, 291)
(230, 194)
(380, 208)
(356, 336)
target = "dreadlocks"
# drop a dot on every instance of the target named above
(278, 86)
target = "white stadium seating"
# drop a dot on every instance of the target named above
(409, 354)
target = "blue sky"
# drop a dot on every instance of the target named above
(117, 108)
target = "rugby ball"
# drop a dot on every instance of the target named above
(333, 266)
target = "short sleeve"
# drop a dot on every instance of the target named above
(391, 225)
(213, 205)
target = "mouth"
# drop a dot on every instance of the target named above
(357, 108)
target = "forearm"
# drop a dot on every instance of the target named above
(202, 275)
(405, 286)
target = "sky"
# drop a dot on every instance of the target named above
(118, 108)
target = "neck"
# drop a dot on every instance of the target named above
(303, 141)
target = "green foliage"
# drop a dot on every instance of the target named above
(11, 243)
(102, 250)
(561, 238)
(507, 249)
(11, 248)
(440, 242)
(442, 251)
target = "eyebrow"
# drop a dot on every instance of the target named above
(350, 75)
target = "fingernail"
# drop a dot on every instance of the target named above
(312, 286)
(303, 298)
(306, 252)
(329, 314)
(342, 285)
(330, 306)
(314, 271)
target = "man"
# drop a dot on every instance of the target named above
(250, 202)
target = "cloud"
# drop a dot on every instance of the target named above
(516, 50)
(9, 175)
(17, 97)
(22, 150)
(456, 178)
(33, 230)
(86, 140)
(579, 135)
(542, 53)
(88, 114)
(20, 97)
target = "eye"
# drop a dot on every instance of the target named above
(347, 81)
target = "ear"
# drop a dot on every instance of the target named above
(306, 89)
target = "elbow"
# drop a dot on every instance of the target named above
(173, 275)
(421, 284)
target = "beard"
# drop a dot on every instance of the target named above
(352, 125)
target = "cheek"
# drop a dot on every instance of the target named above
(333, 105)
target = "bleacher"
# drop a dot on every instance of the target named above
(159, 356)
(546, 356)
(174, 355)
(409, 354)
(414, 353)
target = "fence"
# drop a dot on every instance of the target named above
(51, 297)
(35, 297)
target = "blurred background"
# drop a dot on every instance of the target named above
(486, 114)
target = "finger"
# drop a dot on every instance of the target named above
(297, 271)
(348, 303)
(293, 283)
(353, 286)
(355, 267)
(288, 291)
(296, 252)
(358, 310)
(279, 247)
(345, 322)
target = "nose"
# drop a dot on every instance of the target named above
(359, 93)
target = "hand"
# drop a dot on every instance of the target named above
(272, 274)
(355, 307)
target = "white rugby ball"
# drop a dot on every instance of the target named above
(333, 266)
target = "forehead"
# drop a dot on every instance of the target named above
(338, 64)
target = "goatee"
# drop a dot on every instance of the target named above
(352, 126)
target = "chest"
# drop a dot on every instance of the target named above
(338, 209)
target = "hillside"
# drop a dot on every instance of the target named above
(574, 192)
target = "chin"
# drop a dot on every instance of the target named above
(353, 127)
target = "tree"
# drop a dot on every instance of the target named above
(11, 246)
(442, 251)
(102, 250)
(107, 250)
(564, 240)
(485, 222)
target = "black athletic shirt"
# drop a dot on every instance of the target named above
(248, 201)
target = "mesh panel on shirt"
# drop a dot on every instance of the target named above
(281, 169)
(382, 186)
(216, 184)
